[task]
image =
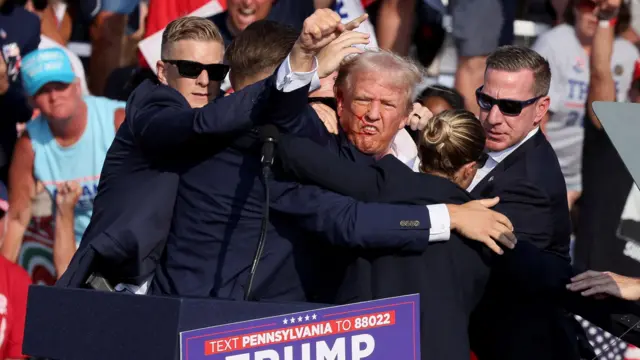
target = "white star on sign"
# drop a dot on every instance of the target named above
(284, 321)
(314, 316)
(293, 320)
(306, 318)
(299, 318)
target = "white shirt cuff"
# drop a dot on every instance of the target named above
(440, 223)
(288, 81)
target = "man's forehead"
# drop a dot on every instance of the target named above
(516, 85)
(196, 50)
(374, 85)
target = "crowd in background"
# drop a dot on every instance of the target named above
(33, 204)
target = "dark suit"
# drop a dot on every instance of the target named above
(449, 276)
(136, 195)
(533, 196)
(218, 215)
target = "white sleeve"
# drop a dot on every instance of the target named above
(288, 81)
(543, 46)
(440, 223)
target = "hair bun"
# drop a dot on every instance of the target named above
(437, 133)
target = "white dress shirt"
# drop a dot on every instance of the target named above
(404, 148)
(495, 157)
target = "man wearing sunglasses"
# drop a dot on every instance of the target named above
(522, 169)
(139, 181)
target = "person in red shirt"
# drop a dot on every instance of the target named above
(14, 285)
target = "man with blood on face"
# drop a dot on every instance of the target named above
(374, 101)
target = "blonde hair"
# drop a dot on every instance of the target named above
(189, 28)
(450, 140)
(399, 70)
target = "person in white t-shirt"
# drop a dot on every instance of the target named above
(567, 47)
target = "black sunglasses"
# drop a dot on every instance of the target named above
(506, 106)
(192, 69)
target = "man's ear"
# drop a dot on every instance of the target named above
(339, 102)
(469, 168)
(542, 106)
(161, 70)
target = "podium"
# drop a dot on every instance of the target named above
(79, 324)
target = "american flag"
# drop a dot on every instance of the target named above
(607, 346)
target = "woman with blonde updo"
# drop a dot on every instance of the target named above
(451, 150)
(452, 146)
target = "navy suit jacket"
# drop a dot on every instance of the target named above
(533, 196)
(137, 190)
(218, 215)
(450, 276)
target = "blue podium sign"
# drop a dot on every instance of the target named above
(373, 330)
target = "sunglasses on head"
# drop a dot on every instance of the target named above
(192, 69)
(506, 106)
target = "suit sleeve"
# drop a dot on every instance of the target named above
(528, 267)
(309, 162)
(166, 123)
(346, 222)
(530, 212)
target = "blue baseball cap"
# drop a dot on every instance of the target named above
(43, 66)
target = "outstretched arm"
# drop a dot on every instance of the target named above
(167, 122)
(346, 222)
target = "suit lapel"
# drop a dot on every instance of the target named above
(484, 187)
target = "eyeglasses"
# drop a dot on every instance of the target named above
(192, 69)
(506, 106)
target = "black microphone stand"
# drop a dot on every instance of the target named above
(267, 160)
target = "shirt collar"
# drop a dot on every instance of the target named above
(404, 148)
(498, 156)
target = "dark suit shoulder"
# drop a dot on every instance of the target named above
(533, 195)
(403, 185)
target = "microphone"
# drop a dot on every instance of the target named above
(269, 136)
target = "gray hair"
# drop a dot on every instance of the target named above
(401, 71)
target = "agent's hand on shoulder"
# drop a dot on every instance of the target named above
(476, 221)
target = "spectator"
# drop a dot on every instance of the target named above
(14, 283)
(438, 98)
(19, 35)
(567, 48)
(14, 286)
(49, 39)
(57, 30)
(242, 13)
(108, 19)
(476, 37)
(66, 142)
